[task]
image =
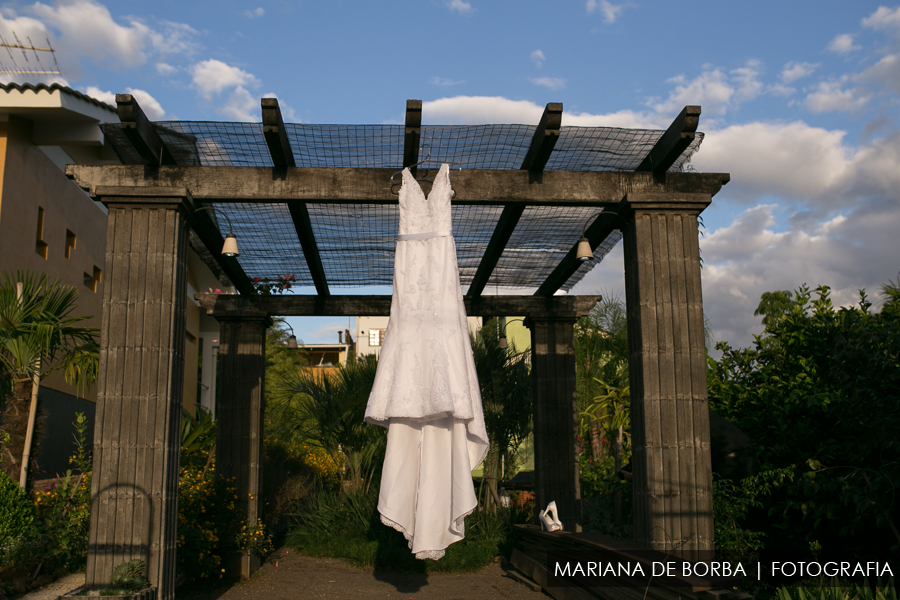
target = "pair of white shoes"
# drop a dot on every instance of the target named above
(550, 521)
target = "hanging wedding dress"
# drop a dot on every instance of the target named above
(426, 390)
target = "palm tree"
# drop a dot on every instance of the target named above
(38, 335)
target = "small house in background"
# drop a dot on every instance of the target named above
(371, 333)
(327, 358)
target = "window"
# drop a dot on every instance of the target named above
(91, 280)
(70, 243)
(376, 336)
(40, 245)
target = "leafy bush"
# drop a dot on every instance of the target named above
(64, 511)
(819, 389)
(348, 526)
(208, 522)
(731, 503)
(16, 515)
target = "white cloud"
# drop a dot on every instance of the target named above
(843, 44)
(226, 86)
(165, 69)
(789, 160)
(255, 13)
(610, 11)
(831, 96)
(537, 57)
(884, 18)
(748, 257)
(551, 83)
(460, 6)
(885, 72)
(150, 105)
(445, 82)
(476, 110)
(88, 29)
(212, 76)
(711, 89)
(747, 79)
(797, 70)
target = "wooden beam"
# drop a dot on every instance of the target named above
(372, 186)
(603, 225)
(140, 132)
(673, 142)
(228, 306)
(300, 216)
(202, 224)
(502, 232)
(610, 220)
(275, 134)
(545, 136)
(413, 130)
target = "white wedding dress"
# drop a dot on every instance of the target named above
(426, 390)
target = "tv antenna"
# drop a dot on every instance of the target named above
(29, 68)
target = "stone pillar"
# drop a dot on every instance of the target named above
(555, 417)
(669, 409)
(240, 408)
(134, 491)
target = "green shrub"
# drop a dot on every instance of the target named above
(348, 526)
(208, 522)
(16, 515)
(818, 389)
(64, 513)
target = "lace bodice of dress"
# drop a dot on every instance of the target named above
(419, 214)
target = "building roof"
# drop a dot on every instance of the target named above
(51, 89)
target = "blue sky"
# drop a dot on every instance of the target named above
(799, 102)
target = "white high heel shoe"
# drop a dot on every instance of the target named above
(550, 521)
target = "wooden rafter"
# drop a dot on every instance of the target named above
(303, 225)
(545, 136)
(673, 142)
(275, 134)
(599, 229)
(283, 157)
(412, 134)
(140, 132)
(205, 228)
(367, 306)
(372, 186)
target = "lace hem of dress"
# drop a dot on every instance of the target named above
(459, 525)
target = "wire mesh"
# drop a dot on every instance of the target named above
(267, 239)
(348, 146)
(356, 242)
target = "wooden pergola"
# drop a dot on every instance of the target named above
(153, 201)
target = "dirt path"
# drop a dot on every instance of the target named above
(298, 576)
(302, 577)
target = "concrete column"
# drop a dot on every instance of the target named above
(134, 491)
(240, 412)
(669, 409)
(555, 417)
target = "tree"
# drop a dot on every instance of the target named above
(38, 335)
(601, 365)
(820, 388)
(505, 383)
